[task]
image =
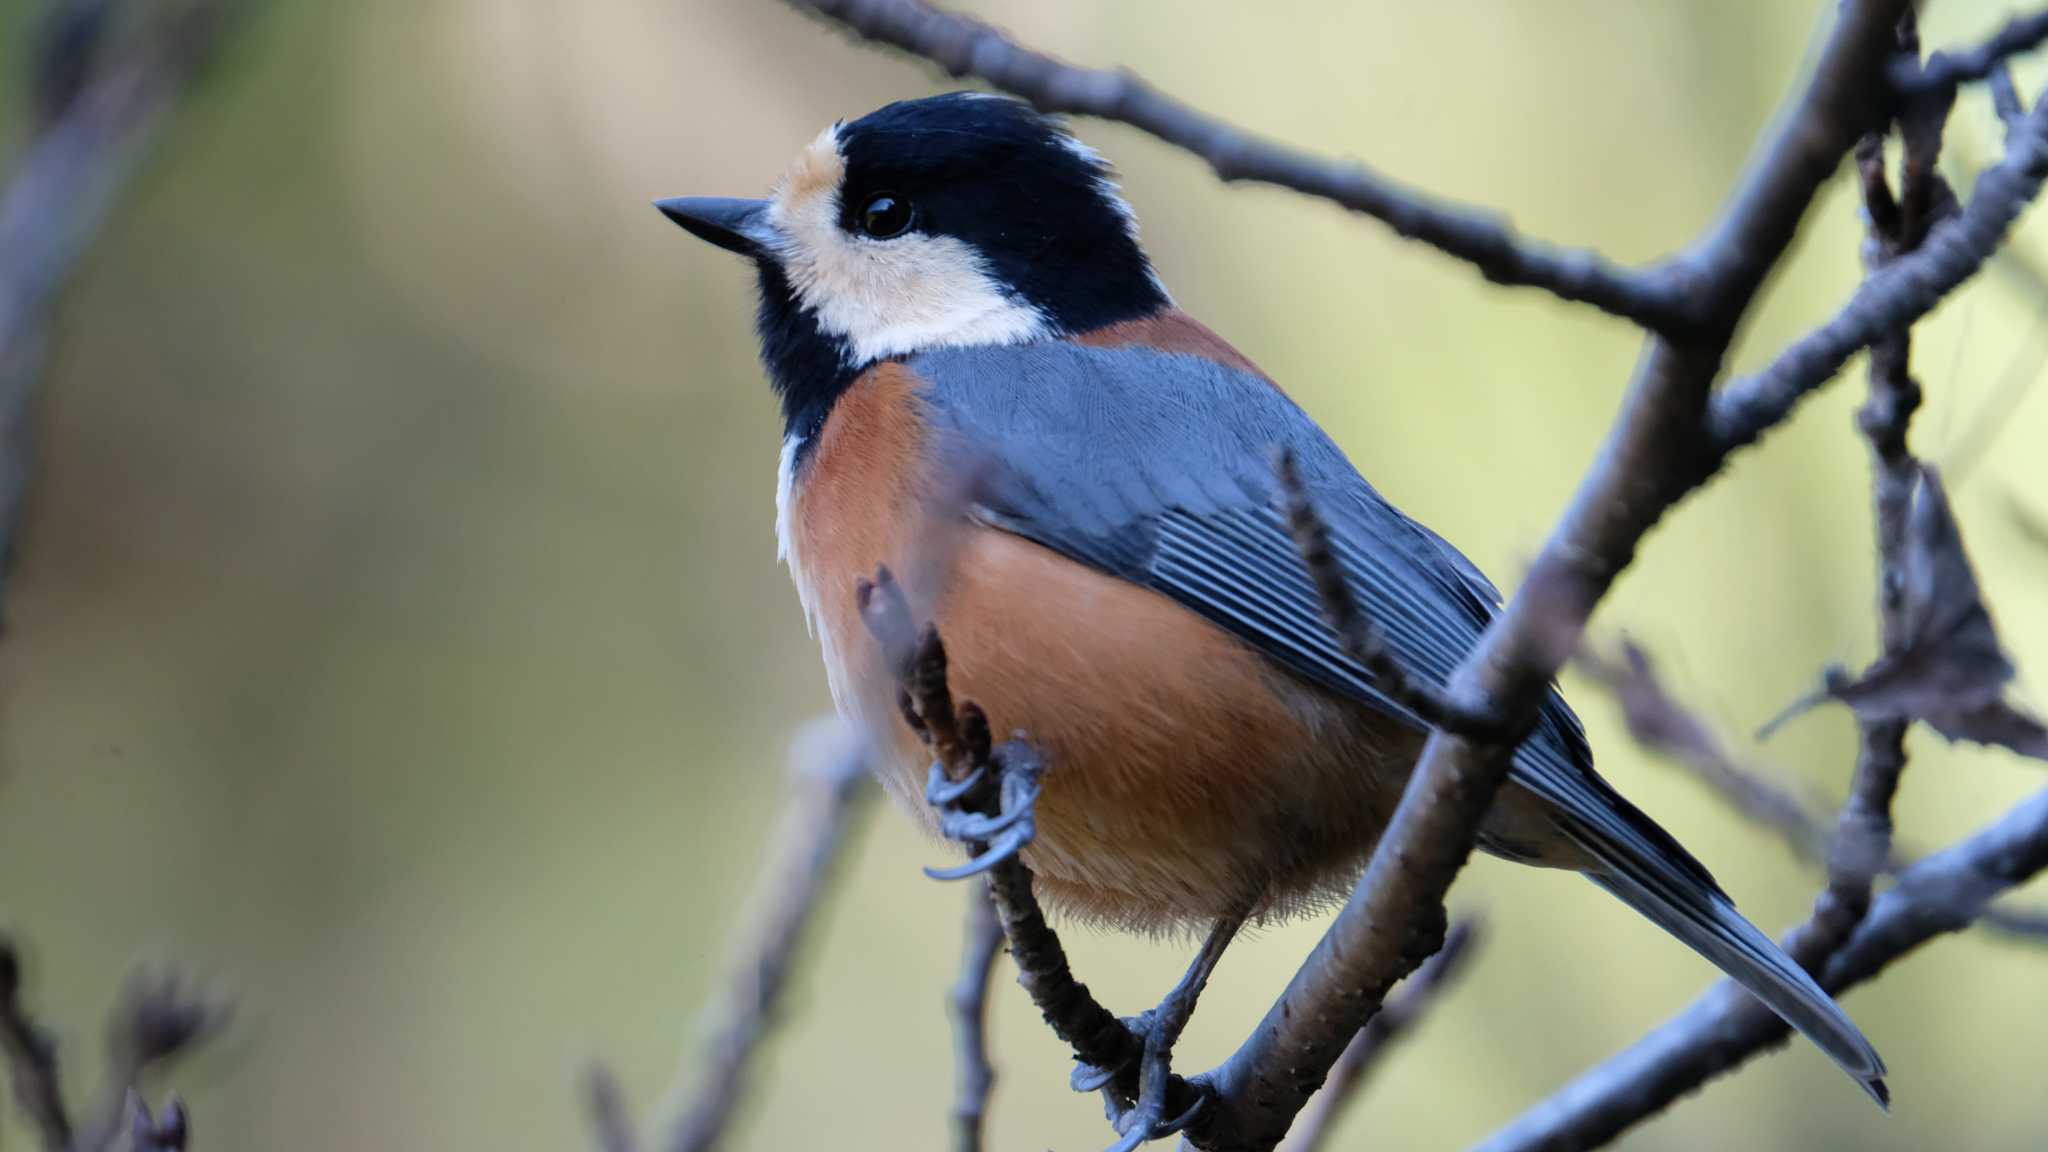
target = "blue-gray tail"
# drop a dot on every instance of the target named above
(1652, 873)
(1708, 923)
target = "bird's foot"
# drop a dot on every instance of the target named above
(1165, 1104)
(991, 809)
(1159, 1093)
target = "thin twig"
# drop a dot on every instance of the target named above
(2005, 97)
(158, 1017)
(973, 1076)
(1653, 298)
(1863, 838)
(1947, 70)
(1404, 1010)
(1894, 297)
(101, 100)
(1357, 636)
(829, 801)
(829, 789)
(959, 738)
(1943, 893)
(1660, 723)
(31, 1059)
(604, 1101)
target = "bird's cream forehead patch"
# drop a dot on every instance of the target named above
(812, 181)
(885, 297)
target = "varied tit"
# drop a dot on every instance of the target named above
(957, 279)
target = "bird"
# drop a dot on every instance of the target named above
(986, 387)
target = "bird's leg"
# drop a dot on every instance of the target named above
(1160, 1030)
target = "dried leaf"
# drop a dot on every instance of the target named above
(1996, 723)
(1952, 672)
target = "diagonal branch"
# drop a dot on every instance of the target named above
(31, 1059)
(1355, 634)
(1660, 723)
(1403, 1012)
(1943, 893)
(829, 789)
(1724, 1029)
(1655, 297)
(973, 1077)
(1651, 459)
(96, 120)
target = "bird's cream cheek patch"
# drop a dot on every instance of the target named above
(886, 297)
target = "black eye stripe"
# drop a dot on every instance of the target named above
(884, 216)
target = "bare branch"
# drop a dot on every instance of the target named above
(973, 1076)
(158, 1018)
(1726, 1027)
(1941, 894)
(1659, 722)
(1654, 298)
(96, 120)
(829, 787)
(1404, 1010)
(1651, 459)
(1894, 297)
(31, 1059)
(1863, 836)
(1948, 70)
(1356, 635)
(611, 1121)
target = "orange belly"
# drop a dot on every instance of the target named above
(1187, 776)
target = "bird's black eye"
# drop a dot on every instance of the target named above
(885, 216)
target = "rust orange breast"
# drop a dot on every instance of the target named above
(1186, 774)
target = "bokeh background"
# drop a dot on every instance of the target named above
(397, 630)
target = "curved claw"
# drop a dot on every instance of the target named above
(1138, 1134)
(1089, 1078)
(1180, 1122)
(971, 826)
(1006, 848)
(941, 792)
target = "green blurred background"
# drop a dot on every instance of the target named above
(397, 630)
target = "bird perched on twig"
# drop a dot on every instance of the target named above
(986, 387)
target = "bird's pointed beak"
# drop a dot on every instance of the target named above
(735, 225)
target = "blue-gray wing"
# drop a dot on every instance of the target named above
(1157, 467)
